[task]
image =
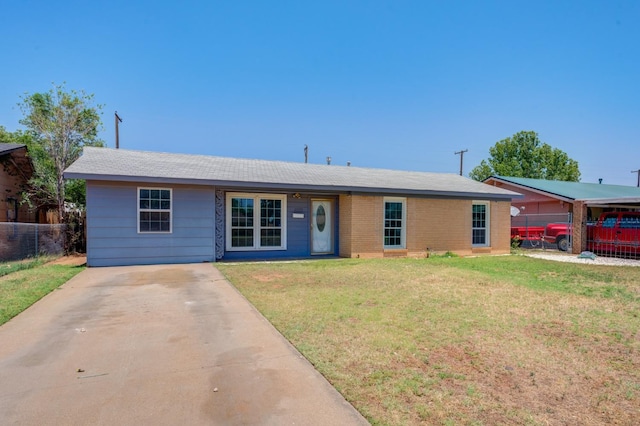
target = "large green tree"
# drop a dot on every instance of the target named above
(60, 123)
(524, 155)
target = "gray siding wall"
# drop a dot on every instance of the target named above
(298, 230)
(112, 227)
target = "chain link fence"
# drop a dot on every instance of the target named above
(23, 240)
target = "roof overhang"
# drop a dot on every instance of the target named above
(18, 157)
(613, 202)
(275, 186)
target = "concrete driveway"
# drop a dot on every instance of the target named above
(170, 344)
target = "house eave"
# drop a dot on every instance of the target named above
(13, 149)
(609, 201)
(275, 186)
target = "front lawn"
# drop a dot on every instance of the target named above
(482, 341)
(22, 283)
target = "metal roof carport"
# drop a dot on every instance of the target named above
(579, 195)
(580, 216)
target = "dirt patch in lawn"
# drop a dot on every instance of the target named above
(71, 260)
(265, 278)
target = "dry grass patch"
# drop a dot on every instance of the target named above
(494, 340)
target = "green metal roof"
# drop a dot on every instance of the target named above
(572, 190)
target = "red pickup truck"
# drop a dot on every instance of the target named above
(616, 233)
(613, 233)
(558, 233)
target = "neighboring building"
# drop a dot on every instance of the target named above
(146, 207)
(546, 197)
(582, 202)
(20, 234)
(15, 173)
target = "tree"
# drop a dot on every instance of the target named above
(523, 155)
(60, 124)
(17, 137)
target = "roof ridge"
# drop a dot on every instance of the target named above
(268, 161)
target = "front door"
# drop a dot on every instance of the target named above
(321, 226)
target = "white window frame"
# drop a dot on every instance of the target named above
(257, 197)
(169, 210)
(403, 228)
(487, 227)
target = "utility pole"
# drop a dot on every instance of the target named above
(306, 154)
(461, 158)
(118, 120)
(638, 172)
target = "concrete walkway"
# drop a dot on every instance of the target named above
(161, 345)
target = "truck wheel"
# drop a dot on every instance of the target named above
(563, 243)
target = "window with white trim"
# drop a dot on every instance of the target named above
(256, 221)
(395, 220)
(480, 224)
(154, 210)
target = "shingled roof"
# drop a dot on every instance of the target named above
(164, 168)
(16, 160)
(7, 148)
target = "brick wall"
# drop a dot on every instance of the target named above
(362, 237)
(439, 225)
(500, 227)
(344, 229)
(435, 225)
(11, 186)
(579, 242)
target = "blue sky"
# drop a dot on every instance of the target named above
(389, 84)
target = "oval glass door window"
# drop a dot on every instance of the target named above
(321, 218)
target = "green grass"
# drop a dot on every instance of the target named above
(450, 340)
(538, 274)
(21, 265)
(28, 282)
